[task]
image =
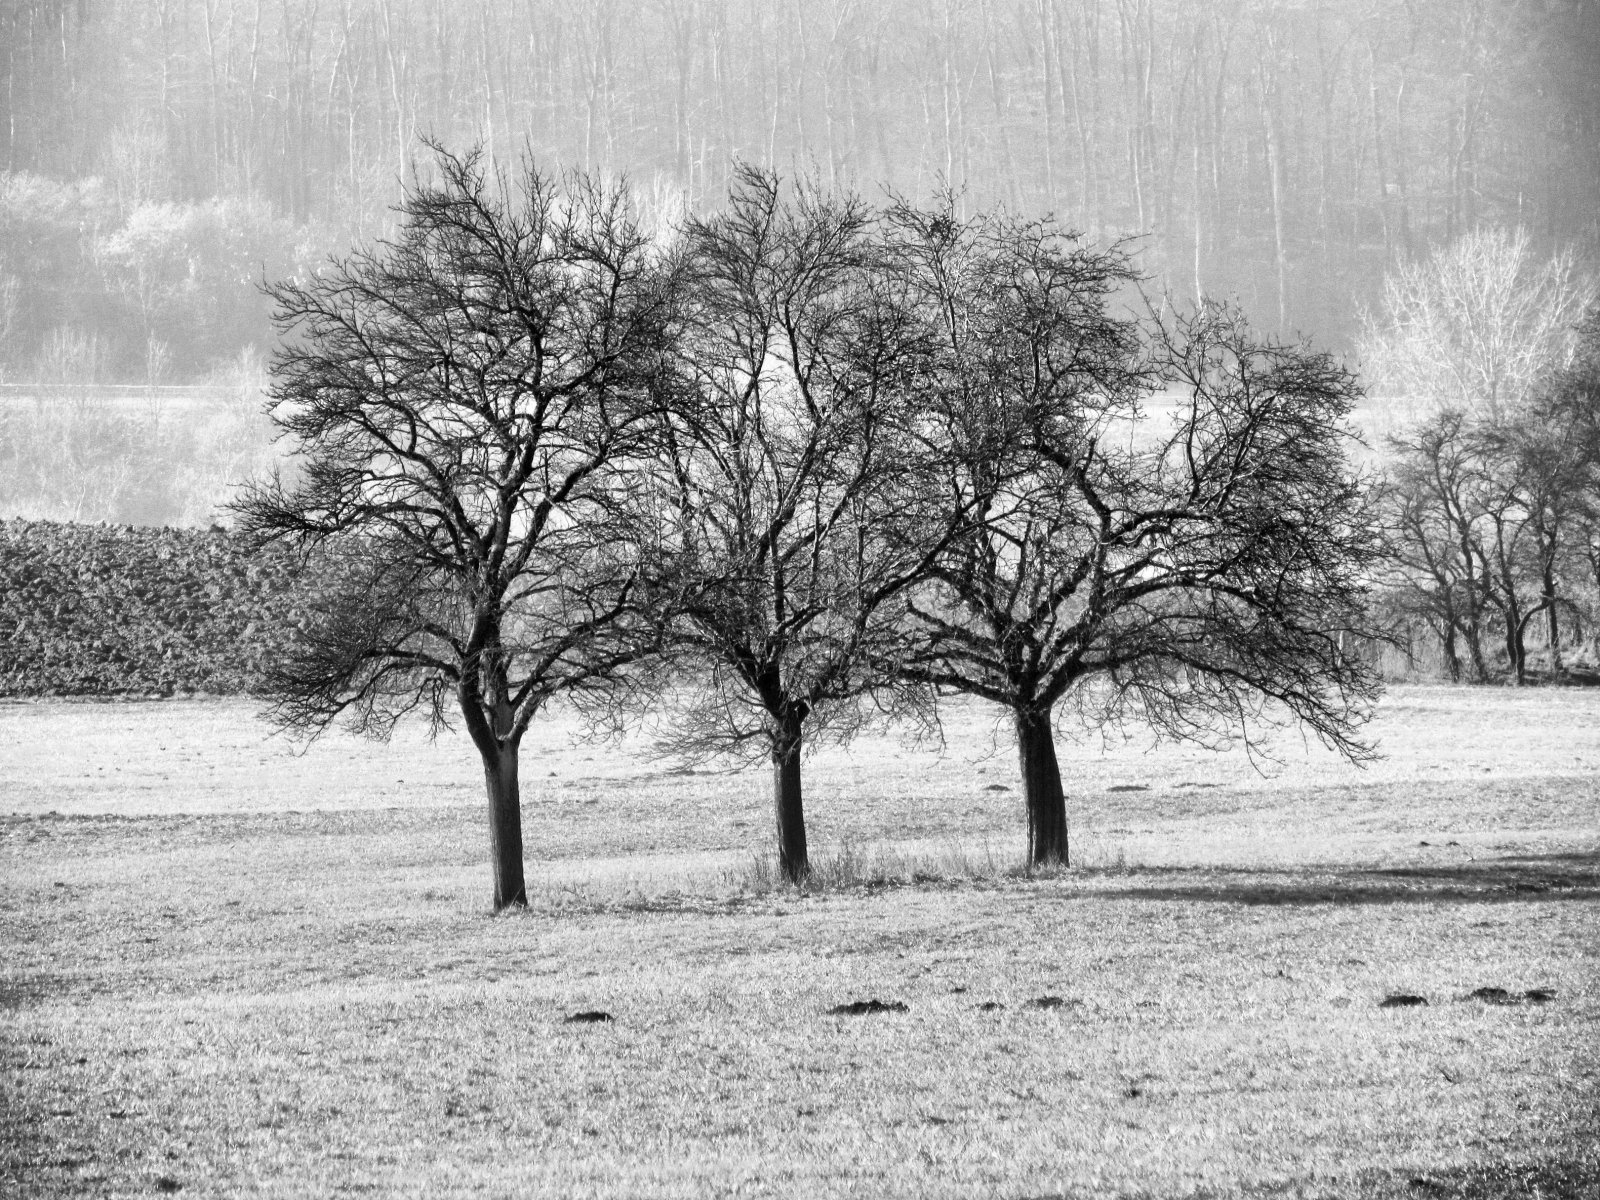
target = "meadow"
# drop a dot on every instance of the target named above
(231, 966)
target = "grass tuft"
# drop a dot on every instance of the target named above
(854, 866)
(858, 866)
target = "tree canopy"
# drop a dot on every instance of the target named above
(466, 400)
(1199, 574)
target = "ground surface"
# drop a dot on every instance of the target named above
(229, 969)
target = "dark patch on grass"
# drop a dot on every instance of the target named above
(1129, 787)
(103, 831)
(861, 1008)
(1538, 995)
(1570, 1179)
(1402, 1000)
(1053, 1002)
(1492, 995)
(589, 1017)
(990, 1006)
(24, 991)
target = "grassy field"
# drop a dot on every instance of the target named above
(227, 968)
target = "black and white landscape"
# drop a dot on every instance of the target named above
(711, 597)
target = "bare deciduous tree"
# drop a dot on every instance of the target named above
(1200, 578)
(789, 433)
(1437, 572)
(1474, 327)
(467, 400)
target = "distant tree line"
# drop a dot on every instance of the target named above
(161, 156)
(95, 290)
(802, 462)
(1491, 487)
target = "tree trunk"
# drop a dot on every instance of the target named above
(1452, 657)
(1041, 788)
(493, 733)
(1515, 653)
(1553, 618)
(1480, 666)
(505, 827)
(786, 796)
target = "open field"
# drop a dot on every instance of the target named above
(229, 969)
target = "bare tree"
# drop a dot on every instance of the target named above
(787, 437)
(1545, 458)
(1474, 327)
(1201, 578)
(1539, 474)
(467, 400)
(1437, 570)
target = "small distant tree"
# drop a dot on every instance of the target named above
(466, 402)
(1537, 470)
(1474, 327)
(1546, 456)
(789, 438)
(1436, 570)
(1200, 578)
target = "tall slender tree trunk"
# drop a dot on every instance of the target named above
(1552, 617)
(1480, 665)
(1452, 656)
(1041, 788)
(1516, 654)
(786, 797)
(505, 827)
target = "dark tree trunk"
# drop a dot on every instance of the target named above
(498, 743)
(1480, 667)
(505, 827)
(1452, 658)
(786, 796)
(1515, 653)
(1041, 788)
(1553, 617)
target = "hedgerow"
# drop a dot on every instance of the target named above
(116, 610)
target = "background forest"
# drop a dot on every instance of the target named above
(160, 158)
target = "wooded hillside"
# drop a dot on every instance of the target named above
(163, 156)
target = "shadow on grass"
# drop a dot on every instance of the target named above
(1572, 876)
(1559, 1179)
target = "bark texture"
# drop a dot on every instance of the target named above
(505, 827)
(1041, 789)
(789, 809)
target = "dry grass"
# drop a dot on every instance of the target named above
(205, 990)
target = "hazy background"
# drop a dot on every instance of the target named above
(158, 158)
